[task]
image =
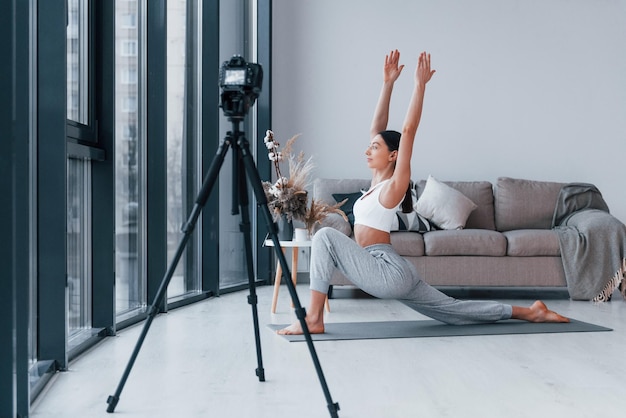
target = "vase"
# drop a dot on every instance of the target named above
(301, 235)
(285, 228)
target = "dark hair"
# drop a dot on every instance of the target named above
(407, 203)
(392, 139)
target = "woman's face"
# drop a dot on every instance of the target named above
(378, 154)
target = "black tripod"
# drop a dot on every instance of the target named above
(240, 145)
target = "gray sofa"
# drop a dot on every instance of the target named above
(507, 242)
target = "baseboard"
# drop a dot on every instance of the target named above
(471, 292)
(504, 292)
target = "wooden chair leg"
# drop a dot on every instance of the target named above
(279, 273)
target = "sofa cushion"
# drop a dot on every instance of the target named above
(408, 243)
(525, 204)
(445, 206)
(465, 242)
(334, 220)
(532, 242)
(479, 192)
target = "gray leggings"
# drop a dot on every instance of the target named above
(381, 272)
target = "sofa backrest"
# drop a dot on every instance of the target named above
(325, 188)
(479, 192)
(511, 204)
(525, 204)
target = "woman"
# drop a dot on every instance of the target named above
(369, 261)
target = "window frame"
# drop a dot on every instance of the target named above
(82, 144)
(85, 134)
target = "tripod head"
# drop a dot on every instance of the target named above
(241, 85)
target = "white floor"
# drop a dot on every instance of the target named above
(199, 361)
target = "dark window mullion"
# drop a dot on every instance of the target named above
(156, 230)
(103, 170)
(264, 122)
(16, 131)
(52, 180)
(211, 114)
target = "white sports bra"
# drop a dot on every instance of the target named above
(370, 212)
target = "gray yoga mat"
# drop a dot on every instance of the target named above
(432, 328)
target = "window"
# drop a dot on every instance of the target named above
(81, 135)
(77, 61)
(130, 280)
(78, 250)
(183, 142)
(89, 203)
(232, 261)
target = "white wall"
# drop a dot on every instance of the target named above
(531, 89)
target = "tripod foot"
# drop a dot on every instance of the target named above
(112, 401)
(333, 408)
(261, 374)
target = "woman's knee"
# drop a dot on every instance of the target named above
(326, 234)
(326, 242)
(326, 231)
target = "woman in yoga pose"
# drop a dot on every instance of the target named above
(369, 261)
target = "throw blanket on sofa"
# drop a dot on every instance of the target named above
(592, 242)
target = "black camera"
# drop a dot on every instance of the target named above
(241, 85)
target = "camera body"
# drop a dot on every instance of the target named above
(241, 85)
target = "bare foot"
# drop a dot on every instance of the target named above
(538, 312)
(315, 327)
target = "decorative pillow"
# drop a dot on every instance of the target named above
(444, 206)
(404, 221)
(479, 192)
(411, 221)
(347, 207)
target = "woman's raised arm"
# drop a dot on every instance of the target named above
(402, 173)
(391, 72)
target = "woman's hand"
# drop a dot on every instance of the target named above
(391, 70)
(423, 73)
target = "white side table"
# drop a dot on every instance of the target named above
(295, 246)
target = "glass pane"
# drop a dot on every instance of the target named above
(78, 246)
(234, 39)
(77, 60)
(183, 143)
(34, 284)
(130, 289)
(33, 336)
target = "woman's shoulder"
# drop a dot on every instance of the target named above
(391, 195)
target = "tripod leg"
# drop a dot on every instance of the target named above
(207, 185)
(257, 185)
(244, 227)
